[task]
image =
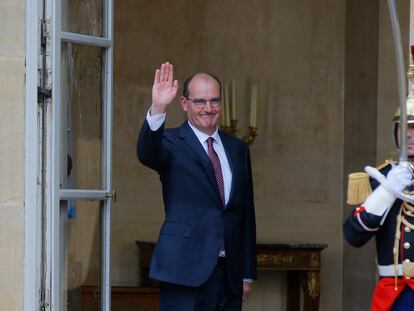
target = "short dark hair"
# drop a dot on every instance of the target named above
(188, 80)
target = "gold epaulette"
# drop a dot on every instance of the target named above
(385, 164)
(359, 187)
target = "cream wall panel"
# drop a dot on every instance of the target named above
(11, 257)
(12, 70)
(12, 28)
(11, 130)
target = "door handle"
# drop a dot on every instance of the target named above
(111, 195)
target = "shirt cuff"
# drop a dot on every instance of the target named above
(156, 121)
(248, 280)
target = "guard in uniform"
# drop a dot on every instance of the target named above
(379, 213)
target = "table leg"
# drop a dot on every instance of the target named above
(311, 288)
(293, 291)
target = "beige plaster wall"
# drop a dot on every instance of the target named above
(12, 60)
(294, 50)
(388, 101)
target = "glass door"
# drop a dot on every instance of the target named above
(78, 158)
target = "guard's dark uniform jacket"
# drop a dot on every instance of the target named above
(360, 226)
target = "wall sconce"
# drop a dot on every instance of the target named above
(228, 122)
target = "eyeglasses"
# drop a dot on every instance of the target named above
(201, 102)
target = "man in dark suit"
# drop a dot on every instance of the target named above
(205, 257)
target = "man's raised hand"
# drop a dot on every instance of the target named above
(164, 88)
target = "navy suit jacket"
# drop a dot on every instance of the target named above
(195, 221)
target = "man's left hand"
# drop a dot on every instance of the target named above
(247, 290)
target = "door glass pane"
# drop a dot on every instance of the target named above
(82, 254)
(83, 16)
(81, 121)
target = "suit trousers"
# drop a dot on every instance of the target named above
(213, 295)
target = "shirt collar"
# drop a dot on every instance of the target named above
(202, 137)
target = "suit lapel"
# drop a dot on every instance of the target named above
(198, 152)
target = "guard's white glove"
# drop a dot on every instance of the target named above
(399, 178)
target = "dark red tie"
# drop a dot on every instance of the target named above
(217, 168)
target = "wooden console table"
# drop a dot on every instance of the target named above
(303, 265)
(301, 261)
(123, 298)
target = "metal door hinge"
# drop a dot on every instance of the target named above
(44, 300)
(44, 90)
(44, 33)
(43, 94)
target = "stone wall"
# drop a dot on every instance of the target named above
(12, 69)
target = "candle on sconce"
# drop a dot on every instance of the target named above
(233, 100)
(227, 104)
(253, 106)
(223, 108)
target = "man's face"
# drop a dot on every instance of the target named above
(410, 139)
(202, 87)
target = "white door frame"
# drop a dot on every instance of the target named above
(32, 213)
(53, 260)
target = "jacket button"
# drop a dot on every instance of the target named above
(407, 245)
